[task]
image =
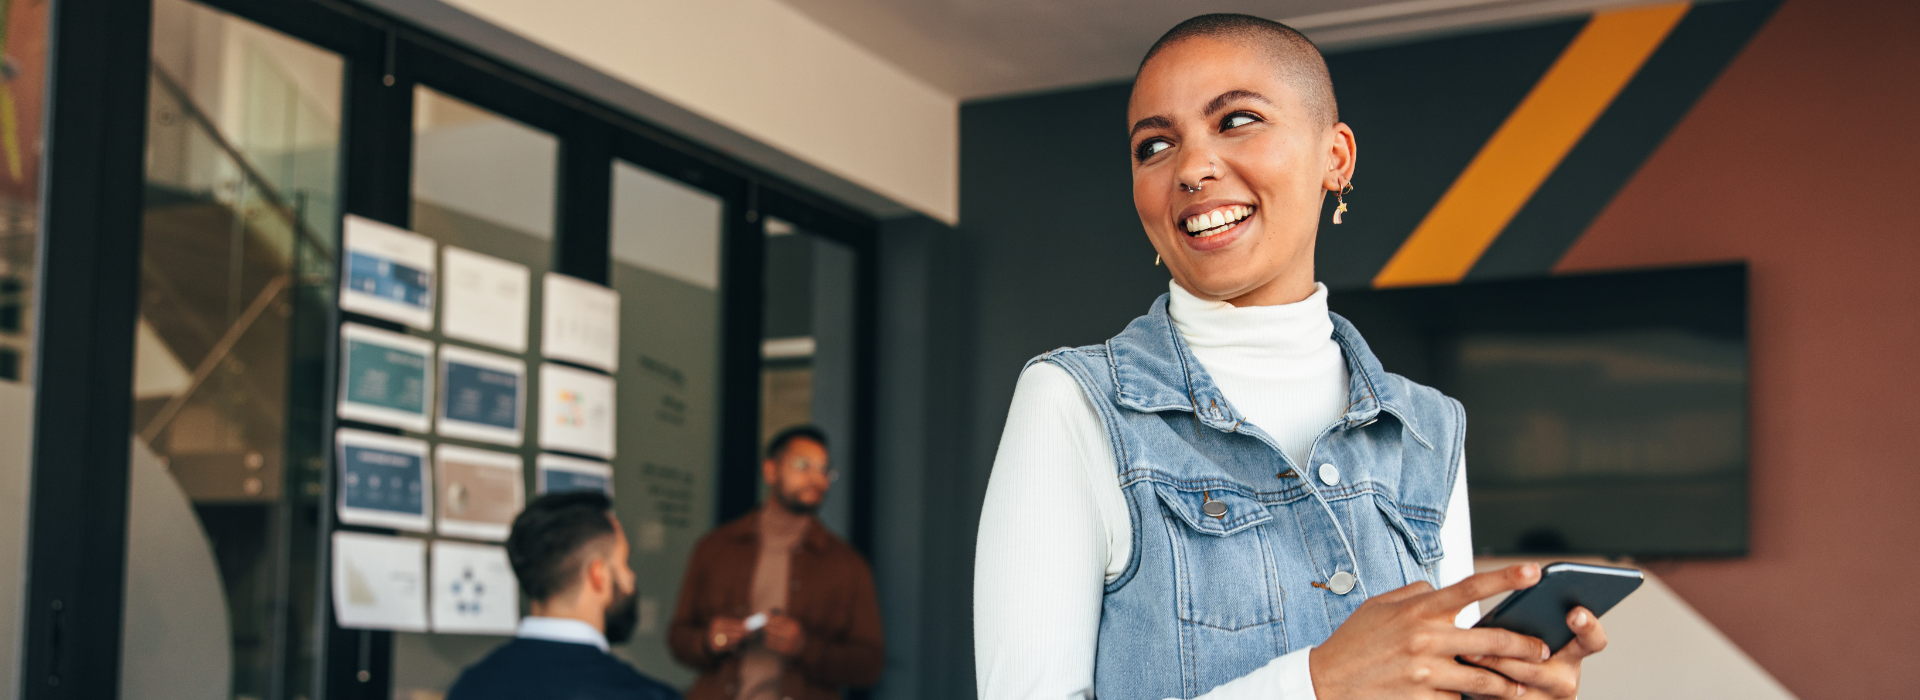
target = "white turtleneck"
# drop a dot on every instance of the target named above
(1054, 528)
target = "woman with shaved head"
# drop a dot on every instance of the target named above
(1231, 498)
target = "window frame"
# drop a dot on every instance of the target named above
(89, 298)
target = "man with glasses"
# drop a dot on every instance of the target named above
(775, 607)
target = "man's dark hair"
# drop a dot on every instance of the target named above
(780, 440)
(554, 536)
(1297, 58)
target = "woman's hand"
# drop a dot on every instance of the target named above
(1403, 644)
(1558, 677)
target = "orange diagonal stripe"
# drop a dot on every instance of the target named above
(1532, 142)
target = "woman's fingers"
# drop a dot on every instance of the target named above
(1481, 586)
(1589, 637)
(1555, 678)
(1495, 643)
(1477, 682)
(1402, 593)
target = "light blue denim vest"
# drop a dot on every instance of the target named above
(1209, 598)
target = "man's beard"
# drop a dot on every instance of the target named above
(795, 505)
(622, 617)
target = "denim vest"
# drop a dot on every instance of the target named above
(1215, 591)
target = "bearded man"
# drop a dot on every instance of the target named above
(570, 555)
(774, 606)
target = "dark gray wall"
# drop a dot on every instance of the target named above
(1050, 254)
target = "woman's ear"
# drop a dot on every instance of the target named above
(1341, 154)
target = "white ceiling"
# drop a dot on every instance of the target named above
(981, 48)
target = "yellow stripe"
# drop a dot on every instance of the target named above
(1532, 142)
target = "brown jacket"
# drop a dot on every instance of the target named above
(831, 597)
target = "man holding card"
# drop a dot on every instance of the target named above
(775, 607)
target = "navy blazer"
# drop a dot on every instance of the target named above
(538, 669)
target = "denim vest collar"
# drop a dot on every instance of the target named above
(1154, 371)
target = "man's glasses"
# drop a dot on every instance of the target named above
(807, 466)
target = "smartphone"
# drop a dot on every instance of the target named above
(1541, 611)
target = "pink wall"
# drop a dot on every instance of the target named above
(1804, 159)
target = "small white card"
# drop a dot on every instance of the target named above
(560, 474)
(480, 492)
(382, 480)
(388, 272)
(474, 591)
(379, 582)
(482, 396)
(386, 378)
(580, 322)
(485, 299)
(576, 411)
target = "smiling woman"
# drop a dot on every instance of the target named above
(1311, 502)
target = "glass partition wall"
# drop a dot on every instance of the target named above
(807, 376)
(267, 124)
(243, 147)
(482, 184)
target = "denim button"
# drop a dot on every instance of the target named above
(1214, 509)
(1329, 474)
(1341, 583)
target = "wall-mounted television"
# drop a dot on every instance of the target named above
(1606, 413)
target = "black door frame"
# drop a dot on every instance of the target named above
(88, 296)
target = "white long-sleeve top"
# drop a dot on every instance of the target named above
(1055, 528)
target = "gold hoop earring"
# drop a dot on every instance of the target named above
(1156, 259)
(1340, 196)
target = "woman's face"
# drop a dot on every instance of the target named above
(1218, 115)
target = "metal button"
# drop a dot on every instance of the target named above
(1341, 583)
(1214, 509)
(1329, 474)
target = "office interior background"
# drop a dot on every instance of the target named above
(867, 214)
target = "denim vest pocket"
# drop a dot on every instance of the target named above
(1422, 534)
(1224, 566)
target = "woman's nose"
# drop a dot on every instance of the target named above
(1197, 168)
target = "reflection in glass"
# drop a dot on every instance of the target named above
(242, 152)
(666, 266)
(23, 49)
(23, 44)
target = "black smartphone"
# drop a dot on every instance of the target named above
(1541, 611)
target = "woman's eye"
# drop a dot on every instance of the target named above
(1237, 119)
(1148, 148)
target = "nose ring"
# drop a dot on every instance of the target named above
(1213, 171)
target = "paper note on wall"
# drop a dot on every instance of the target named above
(576, 411)
(480, 492)
(485, 300)
(389, 272)
(386, 378)
(560, 474)
(482, 395)
(379, 582)
(383, 480)
(580, 322)
(474, 591)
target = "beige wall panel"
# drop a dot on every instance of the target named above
(764, 69)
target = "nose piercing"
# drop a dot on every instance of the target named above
(1213, 171)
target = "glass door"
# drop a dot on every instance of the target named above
(807, 370)
(484, 192)
(243, 148)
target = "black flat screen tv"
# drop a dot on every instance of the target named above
(1606, 413)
